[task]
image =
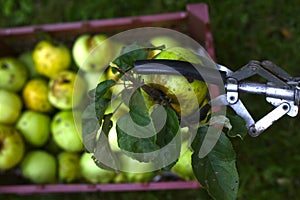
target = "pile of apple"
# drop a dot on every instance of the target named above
(39, 133)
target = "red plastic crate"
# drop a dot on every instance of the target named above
(194, 21)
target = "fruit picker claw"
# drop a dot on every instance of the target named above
(281, 90)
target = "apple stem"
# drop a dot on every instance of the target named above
(154, 93)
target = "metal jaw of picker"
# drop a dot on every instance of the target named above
(281, 89)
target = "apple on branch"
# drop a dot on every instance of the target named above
(184, 95)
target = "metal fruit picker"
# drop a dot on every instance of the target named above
(281, 89)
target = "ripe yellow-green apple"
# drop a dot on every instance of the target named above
(111, 74)
(12, 147)
(10, 107)
(135, 171)
(39, 166)
(167, 41)
(66, 131)
(35, 127)
(64, 93)
(92, 53)
(68, 166)
(184, 95)
(183, 166)
(49, 58)
(160, 40)
(13, 74)
(112, 136)
(92, 79)
(113, 139)
(92, 173)
(35, 95)
(27, 59)
(120, 178)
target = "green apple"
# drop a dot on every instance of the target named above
(112, 136)
(92, 79)
(68, 166)
(92, 53)
(113, 139)
(10, 107)
(39, 166)
(35, 127)
(185, 96)
(183, 166)
(135, 171)
(49, 58)
(168, 41)
(27, 60)
(92, 173)
(13, 74)
(12, 147)
(35, 95)
(66, 90)
(160, 40)
(120, 178)
(66, 133)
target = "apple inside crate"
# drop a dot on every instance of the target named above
(14, 42)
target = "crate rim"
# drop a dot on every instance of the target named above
(111, 187)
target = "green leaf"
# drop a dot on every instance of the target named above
(168, 134)
(131, 53)
(90, 126)
(138, 110)
(135, 130)
(93, 114)
(101, 101)
(95, 138)
(238, 124)
(103, 155)
(126, 94)
(100, 108)
(139, 148)
(103, 87)
(216, 171)
(141, 134)
(107, 123)
(144, 147)
(171, 125)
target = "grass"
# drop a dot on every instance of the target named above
(243, 30)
